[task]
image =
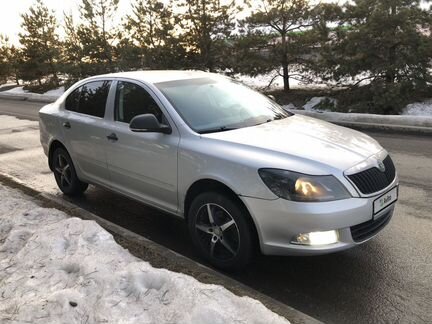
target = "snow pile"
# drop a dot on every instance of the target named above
(419, 109)
(19, 92)
(16, 90)
(56, 269)
(6, 85)
(262, 81)
(289, 107)
(317, 103)
(55, 92)
(52, 93)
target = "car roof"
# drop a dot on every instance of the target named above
(156, 76)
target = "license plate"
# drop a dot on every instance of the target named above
(385, 200)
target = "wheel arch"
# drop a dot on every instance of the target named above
(209, 185)
(55, 144)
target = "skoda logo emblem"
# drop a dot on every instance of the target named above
(381, 166)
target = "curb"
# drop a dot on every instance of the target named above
(30, 98)
(394, 129)
(158, 255)
(12, 97)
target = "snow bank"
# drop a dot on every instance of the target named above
(419, 109)
(55, 92)
(8, 84)
(56, 269)
(18, 93)
(314, 104)
(17, 90)
(415, 109)
(20, 90)
(262, 81)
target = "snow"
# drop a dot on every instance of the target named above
(55, 92)
(20, 93)
(262, 81)
(16, 90)
(51, 93)
(419, 108)
(289, 107)
(313, 104)
(415, 109)
(9, 84)
(60, 269)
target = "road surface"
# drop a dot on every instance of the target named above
(388, 279)
(21, 109)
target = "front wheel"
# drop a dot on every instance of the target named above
(221, 231)
(65, 174)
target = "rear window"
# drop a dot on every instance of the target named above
(89, 99)
(72, 100)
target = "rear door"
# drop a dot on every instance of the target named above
(142, 165)
(85, 130)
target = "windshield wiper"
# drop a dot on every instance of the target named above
(280, 116)
(217, 130)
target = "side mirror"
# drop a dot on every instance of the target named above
(148, 123)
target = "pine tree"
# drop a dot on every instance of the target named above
(5, 55)
(386, 44)
(129, 56)
(285, 20)
(248, 53)
(207, 25)
(40, 44)
(387, 40)
(151, 28)
(72, 52)
(96, 37)
(15, 61)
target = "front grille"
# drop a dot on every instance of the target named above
(368, 229)
(373, 180)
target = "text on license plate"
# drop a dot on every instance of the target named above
(385, 200)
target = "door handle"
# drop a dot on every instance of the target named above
(112, 137)
(66, 125)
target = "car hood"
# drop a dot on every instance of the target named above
(306, 138)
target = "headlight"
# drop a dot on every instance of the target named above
(301, 187)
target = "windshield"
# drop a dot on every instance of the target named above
(208, 105)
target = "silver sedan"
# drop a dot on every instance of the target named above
(245, 174)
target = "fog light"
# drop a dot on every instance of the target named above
(317, 238)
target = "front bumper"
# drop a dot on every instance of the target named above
(279, 221)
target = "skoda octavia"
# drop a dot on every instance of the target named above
(245, 174)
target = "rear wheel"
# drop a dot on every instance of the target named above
(65, 174)
(221, 231)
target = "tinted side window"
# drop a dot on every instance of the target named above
(93, 98)
(133, 100)
(72, 100)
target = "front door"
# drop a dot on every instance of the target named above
(142, 165)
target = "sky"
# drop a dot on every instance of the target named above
(11, 10)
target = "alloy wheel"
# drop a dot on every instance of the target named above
(218, 232)
(63, 170)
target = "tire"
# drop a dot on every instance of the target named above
(227, 242)
(65, 174)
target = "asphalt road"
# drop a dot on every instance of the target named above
(21, 109)
(388, 279)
